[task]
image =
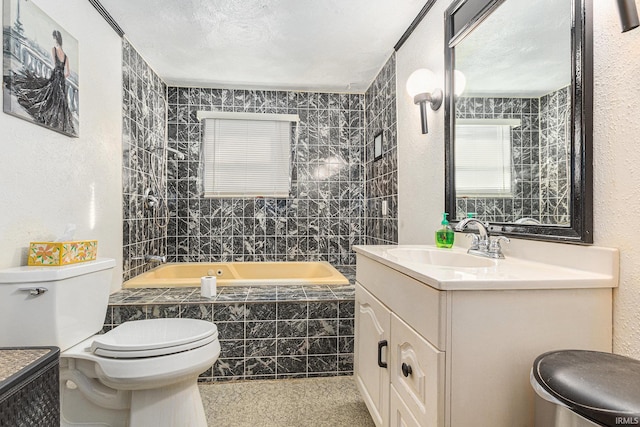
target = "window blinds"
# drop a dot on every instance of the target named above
(483, 160)
(247, 157)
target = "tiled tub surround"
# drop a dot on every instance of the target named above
(538, 150)
(382, 174)
(555, 110)
(265, 332)
(144, 161)
(525, 159)
(323, 217)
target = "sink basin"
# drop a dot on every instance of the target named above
(546, 267)
(442, 257)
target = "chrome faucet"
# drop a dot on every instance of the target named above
(482, 243)
(155, 258)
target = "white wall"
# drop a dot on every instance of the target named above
(420, 157)
(616, 153)
(617, 164)
(48, 180)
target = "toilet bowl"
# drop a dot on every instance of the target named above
(154, 364)
(141, 373)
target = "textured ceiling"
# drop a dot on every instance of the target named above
(323, 45)
(522, 49)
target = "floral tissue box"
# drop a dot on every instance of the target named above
(62, 253)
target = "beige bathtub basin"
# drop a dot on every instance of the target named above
(176, 275)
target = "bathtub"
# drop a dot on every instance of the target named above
(188, 274)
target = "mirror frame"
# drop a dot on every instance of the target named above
(460, 19)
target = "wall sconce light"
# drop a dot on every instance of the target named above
(459, 82)
(628, 15)
(421, 87)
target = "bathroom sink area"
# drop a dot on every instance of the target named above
(440, 257)
(554, 267)
(434, 316)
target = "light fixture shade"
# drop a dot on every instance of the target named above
(459, 82)
(628, 15)
(420, 81)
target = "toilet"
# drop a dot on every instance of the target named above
(141, 373)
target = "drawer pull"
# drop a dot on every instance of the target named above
(406, 370)
(381, 345)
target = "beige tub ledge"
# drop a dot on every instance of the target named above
(177, 275)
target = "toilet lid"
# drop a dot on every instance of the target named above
(154, 337)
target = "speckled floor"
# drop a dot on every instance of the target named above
(312, 402)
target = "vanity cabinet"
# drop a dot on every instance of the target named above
(417, 377)
(400, 414)
(407, 386)
(459, 358)
(373, 325)
(394, 362)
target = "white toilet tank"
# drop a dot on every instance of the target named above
(53, 306)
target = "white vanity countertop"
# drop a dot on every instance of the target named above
(506, 274)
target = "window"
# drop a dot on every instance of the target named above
(483, 157)
(246, 154)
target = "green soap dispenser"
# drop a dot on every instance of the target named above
(445, 235)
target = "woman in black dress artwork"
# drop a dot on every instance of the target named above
(45, 99)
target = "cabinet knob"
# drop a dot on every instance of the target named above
(406, 370)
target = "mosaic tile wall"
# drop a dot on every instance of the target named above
(537, 150)
(525, 159)
(144, 162)
(324, 216)
(382, 174)
(265, 332)
(555, 157)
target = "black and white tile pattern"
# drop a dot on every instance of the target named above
(382, 175)
(320, 221)
(144, 161)
(539, 158)
(265, 332)
(555, 156)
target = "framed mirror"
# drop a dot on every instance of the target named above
(518, 136)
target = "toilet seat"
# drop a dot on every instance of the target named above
(153, 337)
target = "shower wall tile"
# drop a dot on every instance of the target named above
(272, 332)
(555, 158)
(144, 162)
(525, 200)
(332, 165)
(381, 180)
(321, 220)
(539, 158)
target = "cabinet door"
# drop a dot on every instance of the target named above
(400, 415)
(373, 322)
(417, 373)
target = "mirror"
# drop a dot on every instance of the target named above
(518, 137)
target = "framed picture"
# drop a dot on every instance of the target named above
(40, 68)
(377, 146)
